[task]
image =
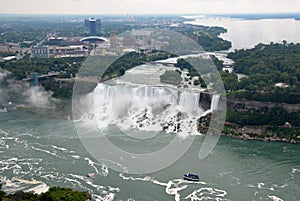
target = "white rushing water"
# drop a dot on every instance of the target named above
(138, 101)
(147, 108)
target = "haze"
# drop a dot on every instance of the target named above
(147, 6)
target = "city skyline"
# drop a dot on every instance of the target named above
(148, 7)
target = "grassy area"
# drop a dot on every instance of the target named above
(171, 77)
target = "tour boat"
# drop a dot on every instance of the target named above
(191, 177)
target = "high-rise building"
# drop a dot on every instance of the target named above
(93, 25)
(113, 41)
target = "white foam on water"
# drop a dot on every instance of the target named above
(60, 148)
(78, 176)
(261, 186)
(15, 184)
(73, 181)
(8, 142)
(29, 135)
(124, 169)
(174, 187)
(75, 156)
(207, 193)
(295, 170)
(48, 176)
(147, 178)
(92, 164)
(104, 170)
(100, 189)
(109, 197)
(45, 151)
(114, 189)
(10, 164)
(42, 188)
(275, 198)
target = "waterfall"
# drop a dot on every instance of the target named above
(145, 107)
(189, 103)
(215, 102)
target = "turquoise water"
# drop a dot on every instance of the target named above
(35, 152)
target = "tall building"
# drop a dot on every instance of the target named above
(113, 41)
(93, 25)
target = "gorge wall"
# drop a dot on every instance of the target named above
(244, 105)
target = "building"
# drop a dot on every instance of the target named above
(128, 42)
(10, 47)
(93, 39)
(40, 51)
(68, 51)
(59, 51)
(56, 39)
(93, 25)
(113, 41)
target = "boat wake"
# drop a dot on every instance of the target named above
(179, 188)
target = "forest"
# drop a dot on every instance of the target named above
(263, 67)
(22, 68)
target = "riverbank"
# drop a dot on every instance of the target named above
(284, 133)
(262, 133)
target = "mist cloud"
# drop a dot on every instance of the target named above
(20, 93)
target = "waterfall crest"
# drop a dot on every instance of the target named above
(148, 108)
(215, 102)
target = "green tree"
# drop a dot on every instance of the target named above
(122, 71)
(62, 194)
(2, 193)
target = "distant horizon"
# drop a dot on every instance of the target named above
(146, 7)
(151, 14)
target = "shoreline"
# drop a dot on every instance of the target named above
(261, 133)
(270, 139)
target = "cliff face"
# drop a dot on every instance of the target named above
(205, 100)
(244, 105)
